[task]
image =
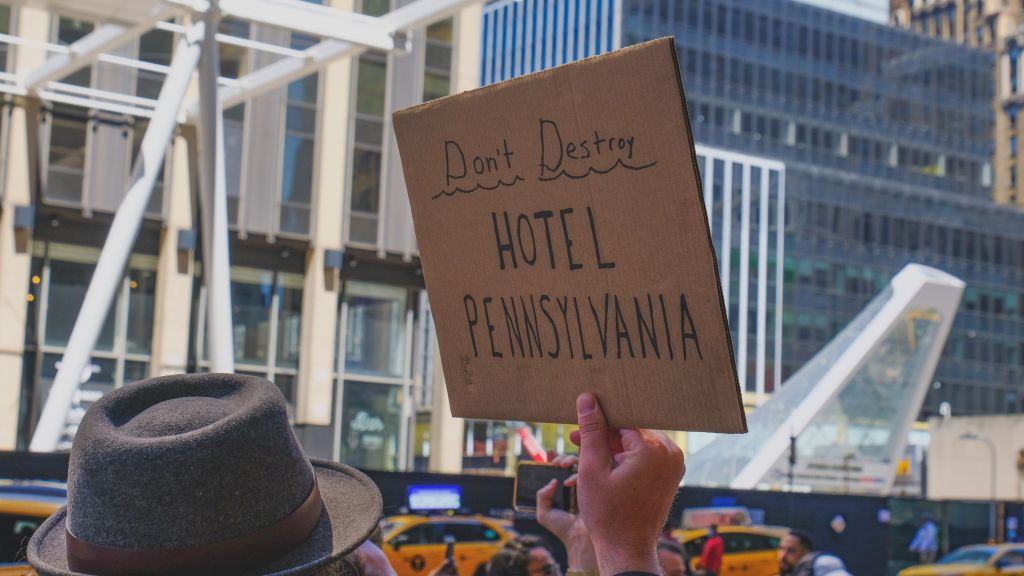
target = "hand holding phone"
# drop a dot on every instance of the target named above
(532, 477)
(555, 505)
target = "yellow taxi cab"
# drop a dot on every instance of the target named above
(23, 507)
(415, 545)
(749, 550)
(981, 560)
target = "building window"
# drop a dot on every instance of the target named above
(371, 82)
(234, 63)
(234, 59)
(65, 167)
(371, 424)
(234, 145)
(299, 145)
(57, 287)
(69, 31)
(438, 75)
(155, 47)
(68, 136)
(155, 206)
(266, 320)
(5, 27)
(376, 7)
(1014, 56)
(367, 152)
(375, 330)
(373, 367)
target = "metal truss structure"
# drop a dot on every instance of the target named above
(341, 33)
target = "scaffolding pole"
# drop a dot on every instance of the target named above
(118, 246)
(214, 203)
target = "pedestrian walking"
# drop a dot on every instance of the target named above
(926, 540)
(711, 555)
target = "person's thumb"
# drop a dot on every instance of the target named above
(594, 452)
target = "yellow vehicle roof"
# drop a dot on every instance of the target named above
(31, 498)
(770, 531)
(28, 507)
(407, 519)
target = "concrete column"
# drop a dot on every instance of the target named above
(320, 290)
(466, 39)
(447, 434)
(16, 249)
(959, 26)
(173, 303)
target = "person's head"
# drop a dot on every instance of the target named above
(793, 548)
(539, 561)
(542, 563)
(525, 556)
(208, 464)
(671, 558)
(713, 529)
(508, 562)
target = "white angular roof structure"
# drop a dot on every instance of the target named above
(851, 406)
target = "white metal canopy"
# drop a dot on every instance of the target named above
(341, 33)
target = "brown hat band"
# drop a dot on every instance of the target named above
(224, 557)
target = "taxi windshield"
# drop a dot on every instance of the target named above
(970, 556)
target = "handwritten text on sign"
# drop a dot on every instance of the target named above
(647, 325)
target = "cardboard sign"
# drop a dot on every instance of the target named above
(565, 247)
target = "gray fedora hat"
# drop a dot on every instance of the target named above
(200, 474)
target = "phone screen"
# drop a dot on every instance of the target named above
(531, 477)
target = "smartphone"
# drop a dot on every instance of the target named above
(532, 476)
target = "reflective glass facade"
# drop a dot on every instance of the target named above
(886, 138)
(523, 36)
(745, 196)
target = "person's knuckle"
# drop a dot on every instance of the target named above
(591, 428)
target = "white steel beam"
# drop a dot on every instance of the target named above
(418, 14)
(282, 72)
(214, 204)
(238, 41)
(87, 49)
(118, 246)
(316, 20)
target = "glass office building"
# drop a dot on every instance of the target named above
(886, 140)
